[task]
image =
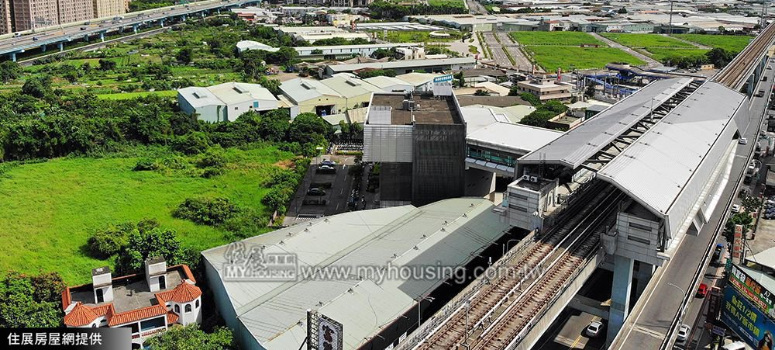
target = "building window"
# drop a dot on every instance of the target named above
(639, 240)
(188, 308)
(153, 323)
(177, 309)
(518, 208)
(640, 226)
(197, 303)
(100, 296)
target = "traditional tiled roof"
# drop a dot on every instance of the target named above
(137, 315)
(81, 315)
(183, 293)
(187, 271)
(171, 318)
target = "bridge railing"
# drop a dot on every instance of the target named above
(681, 312)
(440, 317)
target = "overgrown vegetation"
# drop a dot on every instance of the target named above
(382, 9)
(31, 301)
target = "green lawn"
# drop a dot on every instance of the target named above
(50, 208)
(552, 57)
(131, 95)
(734, 43)
(450, 3)
(659, 54)
(555, 38)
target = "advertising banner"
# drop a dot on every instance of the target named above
(747, 320)
(752, 290)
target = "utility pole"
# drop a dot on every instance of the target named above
(670, 25)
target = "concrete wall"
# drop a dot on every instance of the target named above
(438, 162)
(637, 238)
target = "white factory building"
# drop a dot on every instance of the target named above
(225, 102)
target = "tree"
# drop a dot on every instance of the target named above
(532, 99)
(185, 55)
(30, 302)
(737, 219)
(382, 53)
(590, 91)
(273, 85)
(38, 87)
(147, 244)
(308, 128)
(191, 338)
(721, 30)
(9, 70)
(461, 81)
(192, 143)
(719, 57)
(106, 65)
(275, 124)
(480, 92)
(751, 203)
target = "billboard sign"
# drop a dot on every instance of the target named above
(324, 333)
(442, 85)
(752, 290)
(747, 320)
(737, 243)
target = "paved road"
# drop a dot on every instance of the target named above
(474, 7)
(649, 61)
(74, 31)
(660, 303)
(498, 55)
(523, 63)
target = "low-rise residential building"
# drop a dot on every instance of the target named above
(147, 303)
(225, 102)
(546, 89)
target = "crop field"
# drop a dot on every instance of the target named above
(660, 54)
(733, 43)
(131, 95)
(567, 58)
(51, 208)
(646, 41)
(555, 38)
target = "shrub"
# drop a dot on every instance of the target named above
(192, 143)
(206, 211)
(145, 164)
(106, 242)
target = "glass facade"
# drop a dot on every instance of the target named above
(488, 155)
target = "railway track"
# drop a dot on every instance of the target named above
(507, 329)
(489, 302)
(735, 73)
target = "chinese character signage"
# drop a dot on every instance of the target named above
(747, 320)
(752, 290)
(324, 333)
(442, 85)
(67, 338)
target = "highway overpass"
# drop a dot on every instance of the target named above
(58, 36)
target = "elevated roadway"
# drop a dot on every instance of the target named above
(40, 38)
(660, 310)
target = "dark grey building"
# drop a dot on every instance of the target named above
(420, 142)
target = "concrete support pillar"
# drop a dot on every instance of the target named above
(751, 85)
(134, 28)
(645, 271)
(43, 48)
(61, 47)
(161, 22)
(184, 18)
(13, 56)
(102, 36)
(620, 295)
(86, 38)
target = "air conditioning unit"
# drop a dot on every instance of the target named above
(533, 179)
(526, 177)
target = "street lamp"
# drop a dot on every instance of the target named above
(419, 303)
(505, 246)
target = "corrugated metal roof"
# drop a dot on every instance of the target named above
(198, 96)
(516, 138)
(349, 85)
(402, 64)
(448, 232)
(658, 166)
(582, 142)
(300, 89)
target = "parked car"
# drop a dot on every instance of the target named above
(328, 162)
(743, 141)
(683, 334)
(735, 208)
(316, 192)
(702, 291)
(594, 329)
(326, 169)
(717, 253)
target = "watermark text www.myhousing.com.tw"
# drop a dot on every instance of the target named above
(251, 263)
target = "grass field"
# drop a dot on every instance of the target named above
(450, 3)
(734, 43)
(131, 95)
(555, 38)
(415, 36)
(646, 40)
(51, 208)
(552, 57)
(660, 54)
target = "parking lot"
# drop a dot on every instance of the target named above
(325, 189)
